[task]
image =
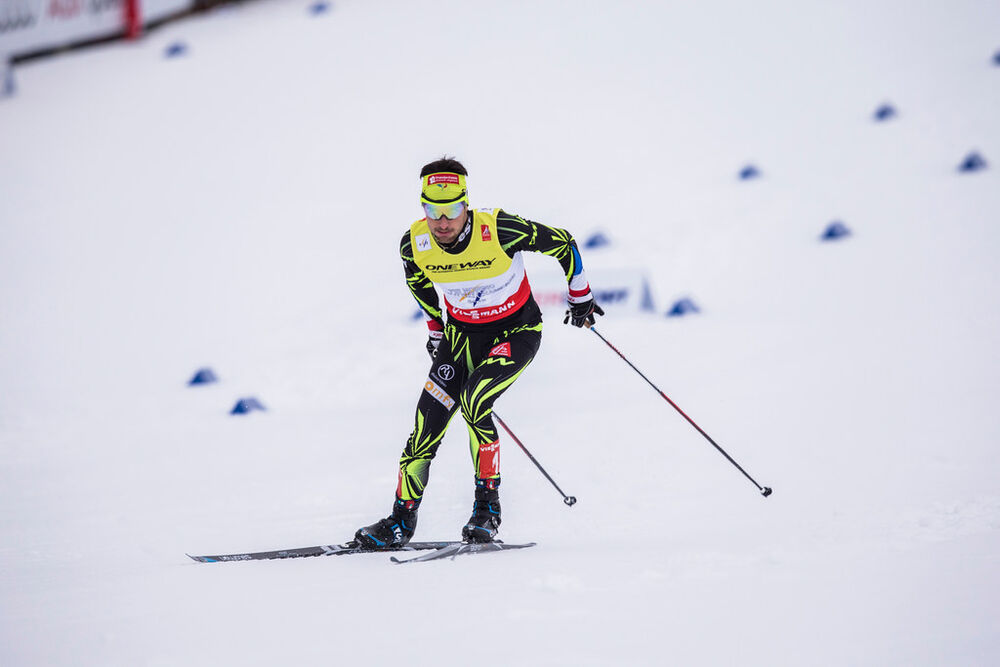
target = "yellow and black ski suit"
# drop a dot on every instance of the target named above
(492, 332)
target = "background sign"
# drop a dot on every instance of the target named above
(27, 26)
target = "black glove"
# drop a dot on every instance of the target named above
(582, 314)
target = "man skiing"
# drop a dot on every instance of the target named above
(492, 332)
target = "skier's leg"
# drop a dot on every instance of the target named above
(435, 408)
(505, 360)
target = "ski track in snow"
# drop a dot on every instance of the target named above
(944, 521)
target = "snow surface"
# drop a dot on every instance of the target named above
(240, 207)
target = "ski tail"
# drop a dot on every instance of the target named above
(452, 551)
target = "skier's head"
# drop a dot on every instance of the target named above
(442, 188)
(446, 164)
(444, 198)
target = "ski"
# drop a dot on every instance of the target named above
(454, 549)
(321, 550)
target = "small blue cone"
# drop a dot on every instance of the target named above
(176, 50)
(245, 405)
(683, 307)
(749, 172)
(996, 58)
(8, 86)
(885, 112)
(835, 230)
(417, 315)
(598, 240)
(203, 376)
(319, 8)
(646, 304)
(972, 162)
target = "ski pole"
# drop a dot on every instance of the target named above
(569, 500)
(765, 490)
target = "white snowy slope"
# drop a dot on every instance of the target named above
(240, 207)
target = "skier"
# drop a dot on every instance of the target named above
(492, 332)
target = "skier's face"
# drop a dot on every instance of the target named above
(446, 230)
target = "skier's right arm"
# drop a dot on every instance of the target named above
(520, 234)
(423, 291)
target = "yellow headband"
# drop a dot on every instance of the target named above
(444, 187)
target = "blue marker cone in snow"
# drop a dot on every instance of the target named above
(972, 162)
(203, 376)
(597, 240)
(7, 86)
(834, 231)
(885, 112)
(683, 307)
(319, 8)
(176, 50)
(646, 304)
(749, 172)
(245, 405)
(996, 58)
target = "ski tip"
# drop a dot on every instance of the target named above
(200, 559)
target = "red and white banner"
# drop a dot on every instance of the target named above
(617, 289)
(27, 26)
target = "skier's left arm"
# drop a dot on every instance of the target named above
(517, 233)
(423, 291)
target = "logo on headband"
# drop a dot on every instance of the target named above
(443, 179)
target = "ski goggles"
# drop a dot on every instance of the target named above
(451, 210)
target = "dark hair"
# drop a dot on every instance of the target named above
(444, 164)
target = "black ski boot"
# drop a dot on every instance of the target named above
(485, 520)
(393, 531)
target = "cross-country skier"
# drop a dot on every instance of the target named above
(492, 332)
